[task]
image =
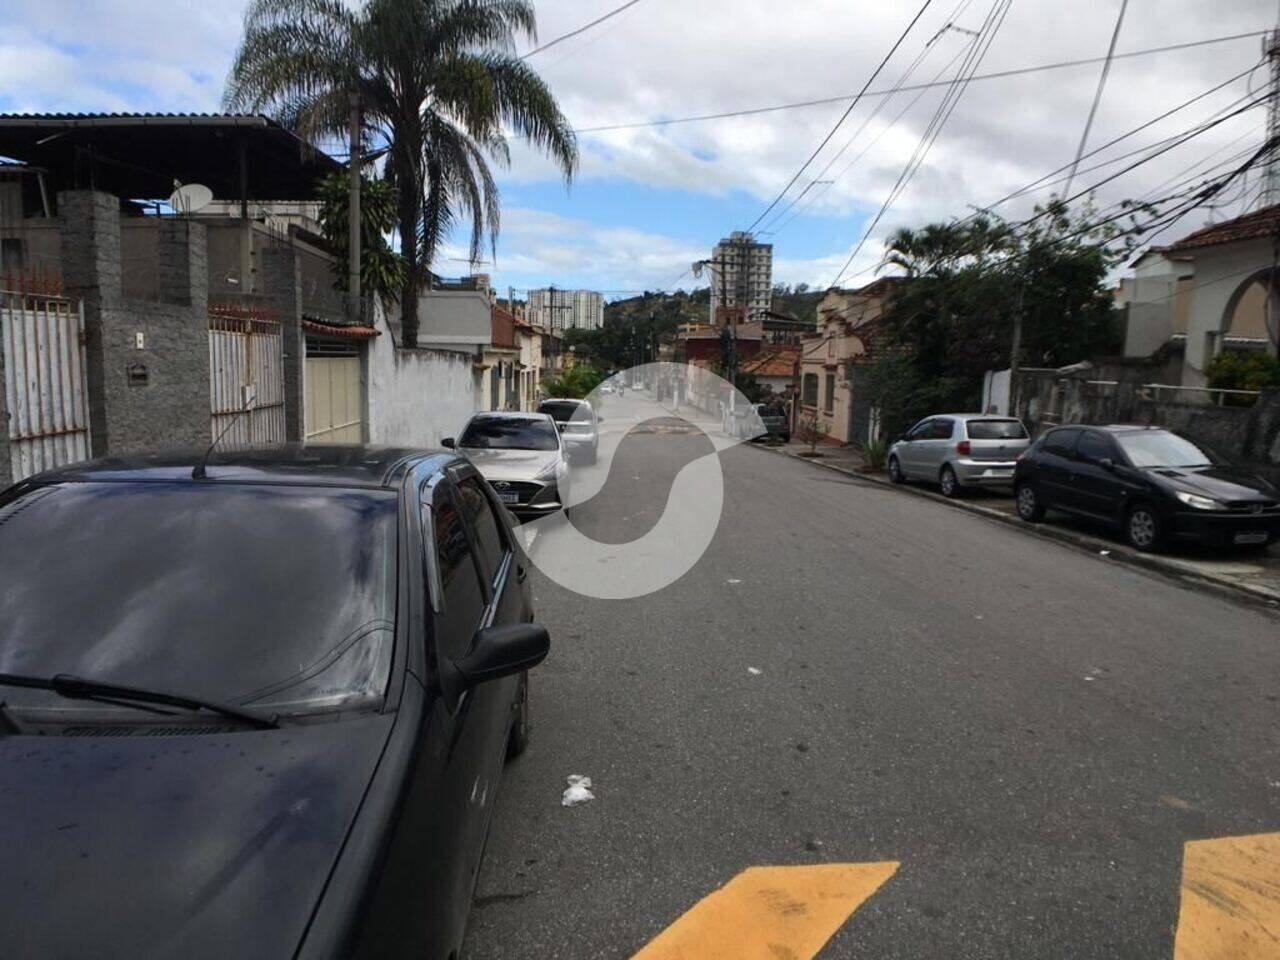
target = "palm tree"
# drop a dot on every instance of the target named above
(438, 85)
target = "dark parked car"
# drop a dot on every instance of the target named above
(255, 708)
(1155, 485)
(773, 418)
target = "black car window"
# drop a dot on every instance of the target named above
(564, 410)
(921, 430)
(488, 528)
(941, 429)
(1095, 446)
(1062, 443)
(509, 433)
(996, 430)
(280, 597)
(464, 599)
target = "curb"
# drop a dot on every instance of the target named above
(1242, 593)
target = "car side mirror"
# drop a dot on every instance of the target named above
(502, 651)
(1106, 463)
(449, 443)
(599, 419)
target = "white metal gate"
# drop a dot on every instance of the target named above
(246, 381)
(333, 410)
(42, 339)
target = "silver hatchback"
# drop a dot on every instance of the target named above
(959, 450)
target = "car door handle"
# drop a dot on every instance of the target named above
(522, 573)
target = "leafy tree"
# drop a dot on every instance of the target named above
(381, 268)
(952, 319)
(438, 85)
(574, 383)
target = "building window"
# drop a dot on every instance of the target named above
(809, 396)
(829, 402)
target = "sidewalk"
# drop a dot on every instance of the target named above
(1251, 577)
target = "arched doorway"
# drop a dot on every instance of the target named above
(1251, 318)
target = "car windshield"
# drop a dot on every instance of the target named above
(509, 433)
(275, 597)
(1159, 448)
(996, 430)
(561, 410)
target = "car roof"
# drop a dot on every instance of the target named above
(1115, 427)
(293, 463)
(509, 415)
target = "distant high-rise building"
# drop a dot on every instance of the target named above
(557, 309)
(741, 277)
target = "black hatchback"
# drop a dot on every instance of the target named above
(1155, 485)
(255, 707)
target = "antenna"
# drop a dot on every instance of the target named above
(199, 472)
(189, 198)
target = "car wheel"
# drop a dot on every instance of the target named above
(1028, 503)
(518, 739)
(950, 485)
(1142, 528)
(895, 471)
(590, 456)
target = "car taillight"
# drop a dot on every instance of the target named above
(963, 448)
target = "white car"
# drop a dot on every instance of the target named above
(522, 455)
(579, 425)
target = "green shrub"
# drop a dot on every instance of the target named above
(874, 453)
(1243, 370)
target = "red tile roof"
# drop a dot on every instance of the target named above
(775, 363)
(1259, 223)
(342, 331)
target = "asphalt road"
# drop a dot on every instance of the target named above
(1031, 732)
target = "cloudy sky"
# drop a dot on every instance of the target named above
(648, 201)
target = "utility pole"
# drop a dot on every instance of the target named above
(1270, 193)
(353, 213)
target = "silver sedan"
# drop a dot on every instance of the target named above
(959, 450)
(523, 457)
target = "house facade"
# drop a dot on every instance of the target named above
(833, 400)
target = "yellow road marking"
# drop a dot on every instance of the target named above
(1230, 899)
(770, 913)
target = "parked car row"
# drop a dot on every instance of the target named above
(1153, 485)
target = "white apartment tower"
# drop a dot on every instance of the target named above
(741, 275)
(556, 309)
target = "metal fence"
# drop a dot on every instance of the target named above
(42, 339)
(246, 381)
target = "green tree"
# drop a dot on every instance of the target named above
(381, 269)
(1243, 370)
(952, 318)
(438, 84)
(574, 383)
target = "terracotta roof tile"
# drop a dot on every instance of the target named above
(1259, 223)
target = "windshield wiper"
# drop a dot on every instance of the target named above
(77, 688)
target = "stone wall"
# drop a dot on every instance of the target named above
(154, 396)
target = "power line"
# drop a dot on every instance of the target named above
(995, 19)
(844, 116)
(582, 29)
(999, 74)
(1097, 96)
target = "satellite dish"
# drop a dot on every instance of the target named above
(190, 198)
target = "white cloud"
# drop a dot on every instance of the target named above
(666, 58)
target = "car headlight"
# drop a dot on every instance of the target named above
(548, 472)
(1198, 502)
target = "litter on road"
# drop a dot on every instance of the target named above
(579, 791)
(754, 671)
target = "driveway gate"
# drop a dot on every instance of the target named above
(42, 339)
(246, 379)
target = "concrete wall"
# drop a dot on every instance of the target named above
(454, 318)
(156, 396)
(1247, 435)
(418, 397)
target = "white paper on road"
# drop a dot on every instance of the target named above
(579, 791)
(754, 671)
